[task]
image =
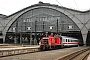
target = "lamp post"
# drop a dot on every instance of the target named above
(29, 28)
(62, 26)
(57, 26)
(14, 30)
(35, 31)
(20, 37)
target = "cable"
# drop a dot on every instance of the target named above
(5, 9)
(76, 4)
(58, 2)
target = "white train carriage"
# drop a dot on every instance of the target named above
(69, 41)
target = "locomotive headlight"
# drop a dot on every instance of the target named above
(39, 43)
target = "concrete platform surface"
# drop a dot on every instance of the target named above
(88, 57)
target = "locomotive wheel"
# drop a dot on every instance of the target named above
(62, 46)
(41, 47)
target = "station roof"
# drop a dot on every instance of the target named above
(48, 4)
(2, 16)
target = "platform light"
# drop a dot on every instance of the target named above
(70, 27)
(50, 27)
(28, 28)
(14, 29)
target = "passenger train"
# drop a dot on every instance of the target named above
(57, 41)
(69, 41)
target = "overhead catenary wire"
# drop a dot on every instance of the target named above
(72, 9)
(76, 4)
(5, 9)
(58, 2)
(70, 12)
(66, 9)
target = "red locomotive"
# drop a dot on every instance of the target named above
(56, 41)
(50, 42)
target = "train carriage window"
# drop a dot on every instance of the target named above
(74, 40)
(66, 40)
(69, 40)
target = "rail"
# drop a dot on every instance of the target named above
(16, 51)
(85, 55)
(72, 55)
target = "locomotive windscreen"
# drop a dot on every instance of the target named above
(45, 40)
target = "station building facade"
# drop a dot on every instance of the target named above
(28, 25)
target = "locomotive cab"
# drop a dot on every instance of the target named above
(44, 43)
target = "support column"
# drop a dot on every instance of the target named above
(4, 35)
(84, 35)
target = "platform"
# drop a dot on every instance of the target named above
(88, 57)
(6, 50)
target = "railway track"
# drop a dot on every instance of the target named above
(82, 56)
(43, 55)
(77, 55)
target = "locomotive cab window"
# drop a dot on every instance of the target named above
(45, 39)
